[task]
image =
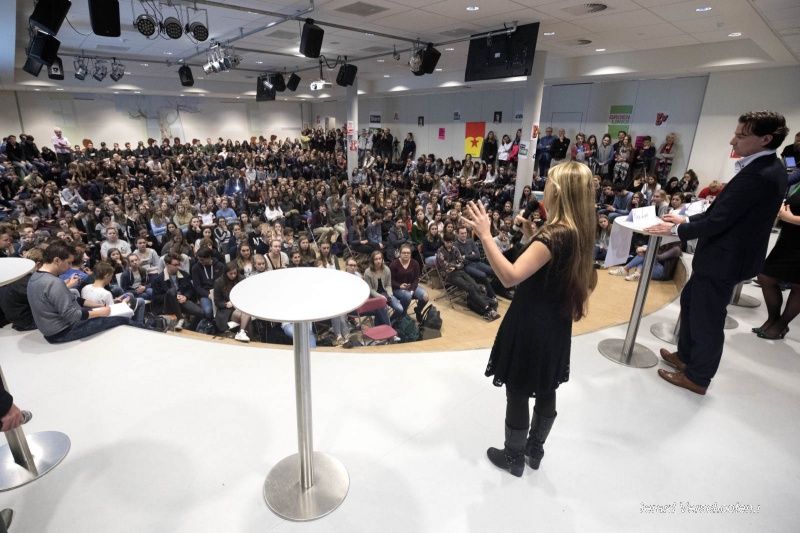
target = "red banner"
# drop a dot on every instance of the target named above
(473, 138)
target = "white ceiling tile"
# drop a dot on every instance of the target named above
(654, 3)
(786, 23)
(615, 21)
(457, 9)
(637, 33)
(716, 36)
(699, 25)
(663, 42)
(774, 4)
(614, 6)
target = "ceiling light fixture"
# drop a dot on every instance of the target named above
(703, 9)
(549, 33)
(449, 49)
(472, 8)
(145, 24)
(117, 70)
(172, 28)
(600, 50)
(100, 71)
(198, 30)
(81, 70)
(735, 34)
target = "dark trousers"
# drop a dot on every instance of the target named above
(704, 303)
(480, 273)
(518, 407)
(173, 307)
(86, 328)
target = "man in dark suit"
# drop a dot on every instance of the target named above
(732, 237)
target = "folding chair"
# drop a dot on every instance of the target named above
(451, 291)
(375, 334)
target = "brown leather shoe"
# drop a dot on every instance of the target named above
(671, 358)
(679, 379)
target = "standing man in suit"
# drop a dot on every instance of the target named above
(732, 234)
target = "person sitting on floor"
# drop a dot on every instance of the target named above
(663, 269)
(173, 291)
(451, 265)
(226, 312)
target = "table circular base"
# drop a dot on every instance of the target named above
(664, 331)
(287, 499)
(730, 323)
(747, 301)
(48, 449)
(641, 356)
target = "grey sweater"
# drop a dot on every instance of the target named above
(53, 305)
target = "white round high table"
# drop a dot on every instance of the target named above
(306, 485)
(626, 351)
(25, 459)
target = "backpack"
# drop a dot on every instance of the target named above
(407, 329)
(431, 318)
(163, 323)
(206, 327)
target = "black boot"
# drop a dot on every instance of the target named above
(540, 429)
(512, 457)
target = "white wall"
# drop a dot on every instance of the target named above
(681, 98)
(108, 117)
(729, 94)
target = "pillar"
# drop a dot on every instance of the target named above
(531, 112)
(352, 116)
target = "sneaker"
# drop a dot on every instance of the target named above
(633, 277)
(339, 340)
(242, 336)
(490, 316)
(495, 314)
(396, 339)
(179, 325)
(619, 271)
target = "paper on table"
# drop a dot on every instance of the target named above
(121, 309)
(695, 208)
(644, 217)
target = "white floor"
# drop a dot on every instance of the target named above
(176, 435)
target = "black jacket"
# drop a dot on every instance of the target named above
(162, 284)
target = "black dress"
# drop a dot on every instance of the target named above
(531, 351)
(783, 262)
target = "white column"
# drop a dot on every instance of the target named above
(352, 116)
(531, 111)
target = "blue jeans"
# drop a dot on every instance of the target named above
(405, 297)
(85, 328)
(208, 308)
(288, 329)
(638, 261)
(429, 261)
(392, 302)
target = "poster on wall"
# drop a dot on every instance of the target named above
(353, 145)
(473, 138)
(619, 119)
(456, 115)
(319, 119)
(535, 132)
(498, 117)
(441, 134)
(661, 118)
(421, 122)
(524, 149)
(374, 119)
(350, 127)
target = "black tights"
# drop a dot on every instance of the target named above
(773, 297)
(517, 414)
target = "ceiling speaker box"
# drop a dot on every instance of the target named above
(430, 56)
(56, 70)
(32, 67)
(49, 15)
(294, 81)
(311, 39)
(347, 75)
(104, 16)
(278, 82)
(44, 48)
(262, 93)
(187, 80)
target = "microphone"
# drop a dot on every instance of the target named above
(532, 206)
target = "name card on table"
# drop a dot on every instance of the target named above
(644, 217)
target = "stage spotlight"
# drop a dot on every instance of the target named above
(100, 70)
(208, 69)
(146, 25)
(172, 27)
(294, 81)
(198, 30)
(415, 63)
(81, 70)
(267, 81)
(117, 71)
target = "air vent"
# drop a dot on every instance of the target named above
(585, 9)
(576, 42)
(283, 34)
(361, 9)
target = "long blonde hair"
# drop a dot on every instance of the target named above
(571, 220)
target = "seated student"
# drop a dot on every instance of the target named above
(113, 241)
(56, 312)
(602, 236)
(397, 236)
(307, 254)
(7, 241)
(296, 260)
(288, 243)
(375, 232)
(619, 207)
(205, 273)
(321, 226)
(186, 261)
(663, 269)
(134, 279)
(357, 237)
(379, 278)
(676, 204)
(245, 260)
(173, 291)
(451, 265)
(502, 240)
(14, 296)
(96, 292)
(381, 315)
(660, 203)
(226, 312)
(226, 213)
(431, 245)
(473, 265)
(177, 237)
(259, 264)
(327, 258)
(276, 259)
(339, 324)
(405, 282)
(148, 258)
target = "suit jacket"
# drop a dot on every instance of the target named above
(734, 231)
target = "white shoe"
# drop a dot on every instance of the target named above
(242, 336)
(619, 271)
(633, 277)
(339, 340)
(179, 325)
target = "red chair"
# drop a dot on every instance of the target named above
(375, 334)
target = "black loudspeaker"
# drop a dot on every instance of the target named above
(104, 15)
(56, 70)
(262, 93)
(44, 48)
(32, 67)
(49, 15)
(430, 56)
(347, 75)
(187, 80)
(278, 83)
(311, 40)
(294, 81)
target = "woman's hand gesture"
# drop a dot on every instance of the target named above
(477, 220)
